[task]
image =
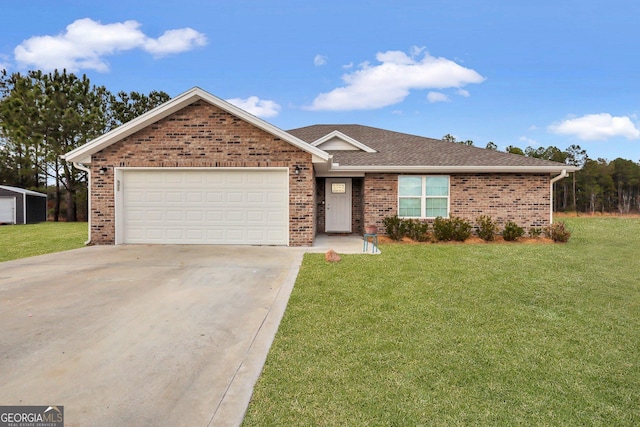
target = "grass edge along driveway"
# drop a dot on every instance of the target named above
(22, 241)
(450, 334)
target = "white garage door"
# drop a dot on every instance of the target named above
(228, 206)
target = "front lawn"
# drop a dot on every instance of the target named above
(452, 334)
(21, 241)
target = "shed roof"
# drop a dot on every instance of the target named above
(23, 191)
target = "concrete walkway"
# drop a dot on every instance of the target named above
(349, 244)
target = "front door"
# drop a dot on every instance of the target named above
(338, 205)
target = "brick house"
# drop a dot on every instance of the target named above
(198, 170)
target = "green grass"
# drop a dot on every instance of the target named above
(450, 334)
(21, 241)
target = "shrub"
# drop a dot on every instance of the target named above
(512, 231)
(396, 227)
(486, 228)
(558, 232)
(461, 229)
(417, 230)
(535, 231)
(442, 229)
(451, 229)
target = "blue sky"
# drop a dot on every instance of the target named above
(516, 73)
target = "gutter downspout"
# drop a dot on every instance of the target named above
(563, 174)
(88, 171)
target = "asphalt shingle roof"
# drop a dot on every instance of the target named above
(401, 149)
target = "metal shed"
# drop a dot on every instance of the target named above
(20, 206)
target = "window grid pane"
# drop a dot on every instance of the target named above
(410, 207)
(410, 186)
(436, 207)
(437, 186)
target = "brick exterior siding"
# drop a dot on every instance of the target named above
(521, 198)
(202, 135)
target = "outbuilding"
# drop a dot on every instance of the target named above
(20, 206)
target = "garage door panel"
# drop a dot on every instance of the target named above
(254, 216)
(234, 217)
(173, 197)
(175, 215)
(154, 197)
(207, 207)
(155, 216)
(194, 197)
(216, 196)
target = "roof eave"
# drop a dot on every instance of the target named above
(85, 151)
(456, 169)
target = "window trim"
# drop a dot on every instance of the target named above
(424, 197)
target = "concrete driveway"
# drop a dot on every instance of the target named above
(141, 335)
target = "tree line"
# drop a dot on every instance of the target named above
(599, 186)
(45, 115)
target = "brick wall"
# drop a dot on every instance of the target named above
(380, 198)
(522, 198)
(202, 135)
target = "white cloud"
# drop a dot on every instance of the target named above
(175, 41)
(463, 92)
(391, 81)
(437, 97)
(86, 42)
(319, 60)
(348, 66)
(256, 106)
(593, 127)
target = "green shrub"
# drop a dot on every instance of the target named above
(417, 230)
(512, 231)
(461, 229)
(396, 227)
(535, 231)
(558, 232)
(486, 228)
(442, 229)
(452, 228)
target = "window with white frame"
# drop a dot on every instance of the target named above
(423, 196)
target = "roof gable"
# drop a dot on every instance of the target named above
(338, 141)
(83, 153)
